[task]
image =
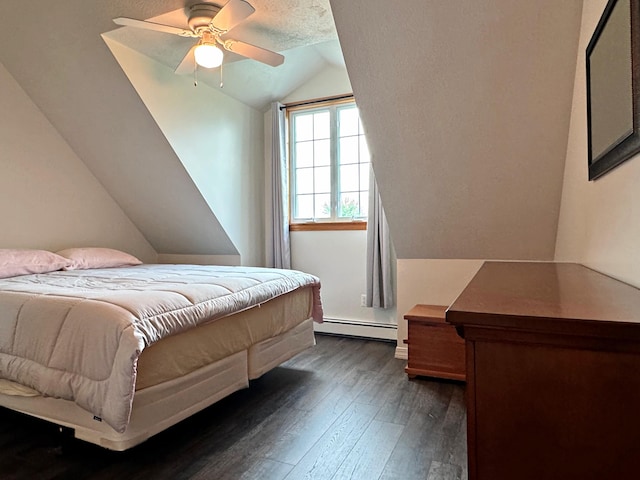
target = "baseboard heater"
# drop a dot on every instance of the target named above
(357, 328)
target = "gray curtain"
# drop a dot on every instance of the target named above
(280, 189)
(379, 274)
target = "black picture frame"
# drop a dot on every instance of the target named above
(628, 144)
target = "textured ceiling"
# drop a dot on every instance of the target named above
(302, 30)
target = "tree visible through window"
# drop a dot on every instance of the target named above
(329, 164)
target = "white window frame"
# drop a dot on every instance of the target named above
(333, 107)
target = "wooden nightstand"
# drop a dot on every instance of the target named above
(435, 349)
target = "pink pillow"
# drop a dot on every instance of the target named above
(83, 258)
(24, 262)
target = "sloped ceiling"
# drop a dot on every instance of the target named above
(466, 106)
(56, 53)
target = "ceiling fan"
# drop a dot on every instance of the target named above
(209, 23)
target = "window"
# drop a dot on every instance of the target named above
(329, 164)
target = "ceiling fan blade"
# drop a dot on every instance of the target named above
(188, 63)
(256, 53)
(157, 27)
(231, 14)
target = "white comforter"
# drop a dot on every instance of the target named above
(78, 334)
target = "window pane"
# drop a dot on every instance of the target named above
(323, 180)
(304, 154)
(322, 152)
(364, 150)
(349, 121)
(304, 127)
(348, 150)
(323, 206)
(364, 176)
(349, 181)
(364, 204)
(330, 162)
(321, 125)
(304, 206)
(304, 180)
(349, 206)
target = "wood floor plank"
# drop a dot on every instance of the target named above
(375, 356)
(380, 390)
(403, 400)
(294, 443)
(330, 367)
(323, 410)
(370, 454)
(393, 365)
(326, 456)
(454, 429)
(267, 469)
(422, 438)
(444, 471)
(249, 451)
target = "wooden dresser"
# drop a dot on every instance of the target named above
(553, 373)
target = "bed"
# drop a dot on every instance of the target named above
(119, 354)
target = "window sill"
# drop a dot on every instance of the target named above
(320, 226)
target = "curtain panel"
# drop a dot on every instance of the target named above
(280, 190)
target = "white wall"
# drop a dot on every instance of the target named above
(48, 197)
(341, 270)
(600, 220)
(331, 81)
(218, 139)
(336, 257)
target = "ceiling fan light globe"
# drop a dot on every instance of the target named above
(208, 56)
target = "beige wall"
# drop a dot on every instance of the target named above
(599, 220)
(48, 197)
(338, 258)
(430, 282)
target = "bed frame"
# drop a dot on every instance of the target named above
(158, 407)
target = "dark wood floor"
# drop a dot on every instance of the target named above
(341, 410)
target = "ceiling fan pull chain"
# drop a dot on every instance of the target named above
(221, 82)
(195, 74)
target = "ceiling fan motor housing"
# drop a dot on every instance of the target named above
(200, 16)
(208, 22)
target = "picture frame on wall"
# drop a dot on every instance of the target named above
(613, 87)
